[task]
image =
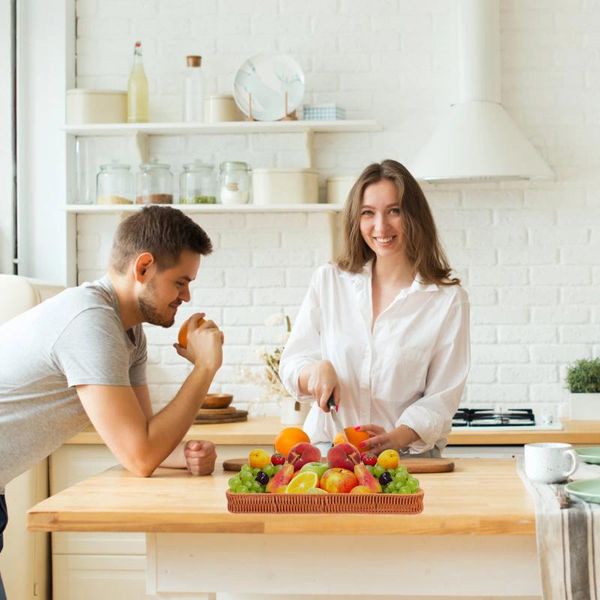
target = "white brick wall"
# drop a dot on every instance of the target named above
(528, 252)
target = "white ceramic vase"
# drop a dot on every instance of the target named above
(584, 407)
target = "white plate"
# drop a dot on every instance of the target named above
(267, 78)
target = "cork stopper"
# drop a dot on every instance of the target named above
(193, 60)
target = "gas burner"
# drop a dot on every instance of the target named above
(483, 417)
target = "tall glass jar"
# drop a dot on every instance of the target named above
(234, 182)
(114, 184)
(154, 184)
(197, 184)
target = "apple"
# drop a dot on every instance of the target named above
(303, 453)
(317, 467)
(343, 456)
(338, 481)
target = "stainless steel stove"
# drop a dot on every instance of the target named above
(511, 418)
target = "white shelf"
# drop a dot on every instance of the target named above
(208, 208)
(118, 129)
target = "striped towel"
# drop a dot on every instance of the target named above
(568, 539)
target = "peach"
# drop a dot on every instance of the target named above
(366, 479)
(302, 454)
(361, 489)
(338, 481)
(343, 456)
(281, 479)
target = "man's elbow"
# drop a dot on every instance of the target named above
(141, 467)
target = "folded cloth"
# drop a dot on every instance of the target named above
(568, 539)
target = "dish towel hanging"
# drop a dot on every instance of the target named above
(568, 538)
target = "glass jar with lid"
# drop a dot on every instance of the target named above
(234, 182)
(197, 184)
(154, 184)
(114, 184)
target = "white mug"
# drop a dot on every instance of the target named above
(550, 462)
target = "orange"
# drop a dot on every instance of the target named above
(339, 438)
(303, 482)
(288, 437)
(182, 336)
(356, 437)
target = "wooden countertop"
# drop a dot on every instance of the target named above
(481, 497)
(261, 431)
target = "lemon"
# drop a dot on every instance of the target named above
(302, 483)
(259, 458)
(388, 459)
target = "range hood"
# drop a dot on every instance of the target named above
(477, 139)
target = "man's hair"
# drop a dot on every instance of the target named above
(161, 230)
(422, 246)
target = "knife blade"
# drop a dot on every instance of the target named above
(339, 428)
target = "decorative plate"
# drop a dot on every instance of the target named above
(585, 489)
(267, 87)
(589, 454)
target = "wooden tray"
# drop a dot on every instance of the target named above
(414, 465)
(325, 503)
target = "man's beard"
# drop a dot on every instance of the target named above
(149, 311)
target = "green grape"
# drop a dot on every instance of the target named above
(255, 471)
(246, 467)
(269, 470)
(389, 488)
(242, 489)
(277, 468)
(247, 478)
(405, 490)
(378, 471)
(398, 486)
(256, 486)
(232, 481)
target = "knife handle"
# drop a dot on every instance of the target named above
(331, 403)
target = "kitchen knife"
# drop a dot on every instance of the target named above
(339, 428)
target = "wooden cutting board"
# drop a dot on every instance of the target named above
(233, 417)
(414, 465)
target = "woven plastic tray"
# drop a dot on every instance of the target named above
(321, 503)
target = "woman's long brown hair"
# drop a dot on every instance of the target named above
(422, 245)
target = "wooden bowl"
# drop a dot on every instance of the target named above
(217, 400)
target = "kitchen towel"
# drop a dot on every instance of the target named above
(568, 539)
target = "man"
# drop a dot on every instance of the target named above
(81, 356)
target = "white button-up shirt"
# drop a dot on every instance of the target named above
(409, 367)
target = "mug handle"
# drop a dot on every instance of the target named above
(575, 458)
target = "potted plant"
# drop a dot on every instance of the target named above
(583, 381)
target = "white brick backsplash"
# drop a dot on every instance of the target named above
(500, 276)
(535, 334)
(528, 251)
(567, 275)
(527, 374)
(492, 394)
(560, 314)
(499, 353)
(558, 353)
(529, 296)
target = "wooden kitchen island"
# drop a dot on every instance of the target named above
(475, 538)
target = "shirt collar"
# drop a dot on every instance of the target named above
(363, 278)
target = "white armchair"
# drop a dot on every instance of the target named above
(24, 562)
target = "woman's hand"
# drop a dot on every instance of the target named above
(322, 381)
(200, 457)
(380, 440)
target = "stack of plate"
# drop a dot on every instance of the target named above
(216, 409)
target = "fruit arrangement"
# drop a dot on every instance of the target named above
(297, 467)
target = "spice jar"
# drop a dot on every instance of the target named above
(234, 182)
(154, 184)
(197, 184)
(114, 184)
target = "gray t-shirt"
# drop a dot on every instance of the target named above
(74, 338)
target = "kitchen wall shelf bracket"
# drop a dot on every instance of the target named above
(141, 146)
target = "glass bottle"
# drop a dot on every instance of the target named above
(193, 90)
(114, 184)
(137, 89)
(197, 184)
(234, 182)
(154, 184)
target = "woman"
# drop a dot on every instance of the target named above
(386, 328)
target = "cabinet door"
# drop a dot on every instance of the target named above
(97, 577)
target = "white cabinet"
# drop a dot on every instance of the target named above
(93, 565)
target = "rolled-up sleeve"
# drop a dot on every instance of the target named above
(304, 344)
(431, 416)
